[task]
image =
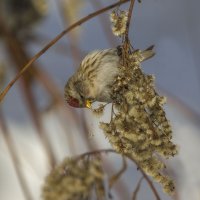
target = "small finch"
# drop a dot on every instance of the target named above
(94, 78)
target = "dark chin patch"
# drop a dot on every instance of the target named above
(74, 102)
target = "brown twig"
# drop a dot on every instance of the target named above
(15, 160)
(36, 117)
(62, 49)
(116, 176)
(137, 189)
(19, 56)
(113, 151)
(130, 11)
(151, 185)
(147, 179)
(49, 85)
(58, 37)
(96, 152)
(76, 55)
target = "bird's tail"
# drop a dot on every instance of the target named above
(145, 54)
(139, 54)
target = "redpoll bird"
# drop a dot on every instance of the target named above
(94, 78)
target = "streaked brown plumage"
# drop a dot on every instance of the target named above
(94, 78)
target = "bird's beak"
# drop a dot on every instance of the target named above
(88, 104)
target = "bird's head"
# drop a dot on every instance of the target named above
(73, 96)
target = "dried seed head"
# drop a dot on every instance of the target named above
(99, 111)
(140, 130)
(119, 19)
(75, 179)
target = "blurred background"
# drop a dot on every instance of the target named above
(37, 128)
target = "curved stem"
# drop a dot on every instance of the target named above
(135, 193)
(130, 11)
(113, 151)
(56, 39)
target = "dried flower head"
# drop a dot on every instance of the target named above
(119, 20)
(100, 110)
(75, 179)
(140, 129)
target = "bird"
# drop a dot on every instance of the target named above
(95, 77)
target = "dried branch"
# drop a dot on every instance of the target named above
(61, 49)
(57, 38)
(151, 185)
(96, 152)
(19, 56)
(130, 11)
(115, 177)
(113, 151)
(76, 56)
(147, 179)
(38, 123)
(137, 189)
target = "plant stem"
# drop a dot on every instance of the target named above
(56, 39)
(130, 11)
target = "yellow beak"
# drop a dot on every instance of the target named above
(88, 104)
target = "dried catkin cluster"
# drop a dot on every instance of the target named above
(75, 179)
(139, 127)
(99, 111)
(119, 20)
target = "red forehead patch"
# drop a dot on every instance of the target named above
(73, 102)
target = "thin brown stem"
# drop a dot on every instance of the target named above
(19, 56)
(116, 176)
(96, 152)
(15, 160)
(137, 189)
(57, 38)
(112, 113)
(37, 122)
(49, 85)
(61, 49)
(141, 170)
(147, 179)
(76, 56)
(151, 185)
(130, 11)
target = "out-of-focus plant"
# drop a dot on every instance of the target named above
(22, 15)
(2, 75)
